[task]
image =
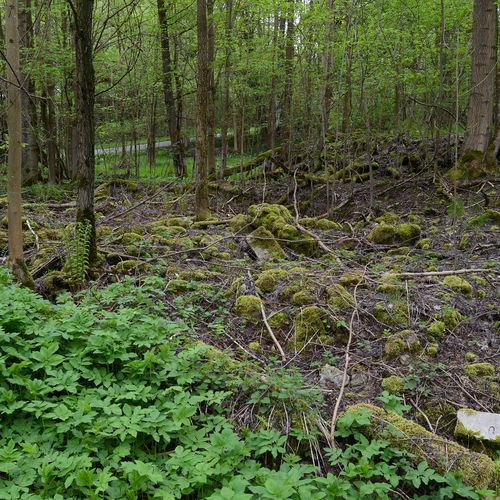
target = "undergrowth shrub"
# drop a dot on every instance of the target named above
(120, 404)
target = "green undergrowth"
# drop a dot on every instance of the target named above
(111, 397)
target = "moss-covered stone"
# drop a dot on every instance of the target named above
(237, 288)
(398, 251)
(309, 324)
(394, 347)
(451, 317)
(432, 350)
(126, 266)
(177, 285)
(480, 370)
(388, 218)
(265, 246)
(268, 280)
(339, 297)
(477, 469)
(424, 244)
(193, 275)
(395, 314)
(240, 222)
(255, 347)
(388, 234)
(289, 291)
(129, 238)
(320, 223)
(437, 330)
(248, 306)
(301, 299)
(350, 278)
(277, 320)
(393, 384)
(387, 288)
(458, 285)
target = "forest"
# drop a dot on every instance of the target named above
(249, 249)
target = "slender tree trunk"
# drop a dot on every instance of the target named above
(14, 212)
(84, 104)
(225, 98)
(482, 90)
(202, 210)
(211, 91)
(271, 122)
(289, 66)
(151, 134)
(30, 170)
(168, 92)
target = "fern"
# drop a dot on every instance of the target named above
(76, 247)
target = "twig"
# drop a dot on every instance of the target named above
(33, 233)
(269, 329)
(423, 414)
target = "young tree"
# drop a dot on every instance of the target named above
(14, 213)
(168, 92)
(202, 209)
(480, 116)
(84, 106)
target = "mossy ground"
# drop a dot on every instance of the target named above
(449, 321)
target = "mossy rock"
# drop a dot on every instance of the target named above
(452, 317)
(248, 306)
(268, 280)
(309, 324)
(240, 222)
(437, 330)
(387, 288)
(394, 385)
(103, 230)
(388, 234)
(394, 347)
(320, 223)
(439, 412)
(255, 347)
(477, 469)
(126, 266)
(395, 314)
(177, 285)
(458, 285)
(301, 299)
(265, 246)
(388, 218)
(289, 291)
(129, 238)
(193, 275)
(473, 165)
(350, 278)
(480, 370)
(237, 288)
(156, 239)
(339, 297)
(424, 244)
(52, 284)
(50, 235)
(277, 320)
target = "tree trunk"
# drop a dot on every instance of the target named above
(211, 161)
(168, 92)
(202, 210)
(287, 100)
(14, 212)
(225, 98)
(482, 86)
(30, 170)
(84, 105)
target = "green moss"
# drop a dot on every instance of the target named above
(398, 251)
(129, 238)
(308, 325)
(237, 288)
(177, 285)
(437, 330)
(477, 469)
(289, 291)
(301, 299)
(432, 350)
(248, 306)
(255, 347)
(394, 347)
(470, 357)
(388, 218)
(277, 320)
(350, 279)
(395, 314)
(126, 266)
(393, 384)
(240, 222)
(319, 223)
(338, 296)
(464, 241)
(387, 288)
(424, 244)
(267, 280)
(458, 285)
(451, 317)
(387, 234)
(192, 275)
(263, 239)
(479, 370)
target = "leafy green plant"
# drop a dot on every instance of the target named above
(76, 247)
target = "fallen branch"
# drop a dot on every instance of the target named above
(444, 273)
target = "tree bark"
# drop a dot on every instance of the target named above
(168, 92)
(14, 211)
(211, 160)
(225, 98)
(287, 100)
(30, 170)
(84, 106)
(482, 86)
(202, 210)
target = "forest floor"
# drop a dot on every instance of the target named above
(399, 291)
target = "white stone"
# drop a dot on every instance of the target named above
(479, 424)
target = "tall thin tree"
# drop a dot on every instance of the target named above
(14, 211)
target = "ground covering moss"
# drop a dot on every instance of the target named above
(248, 306)
(479, 370)
(458, 285)
(268, 280)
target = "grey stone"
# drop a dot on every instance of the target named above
(478, 424)
(330, 376)
(359, 381)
